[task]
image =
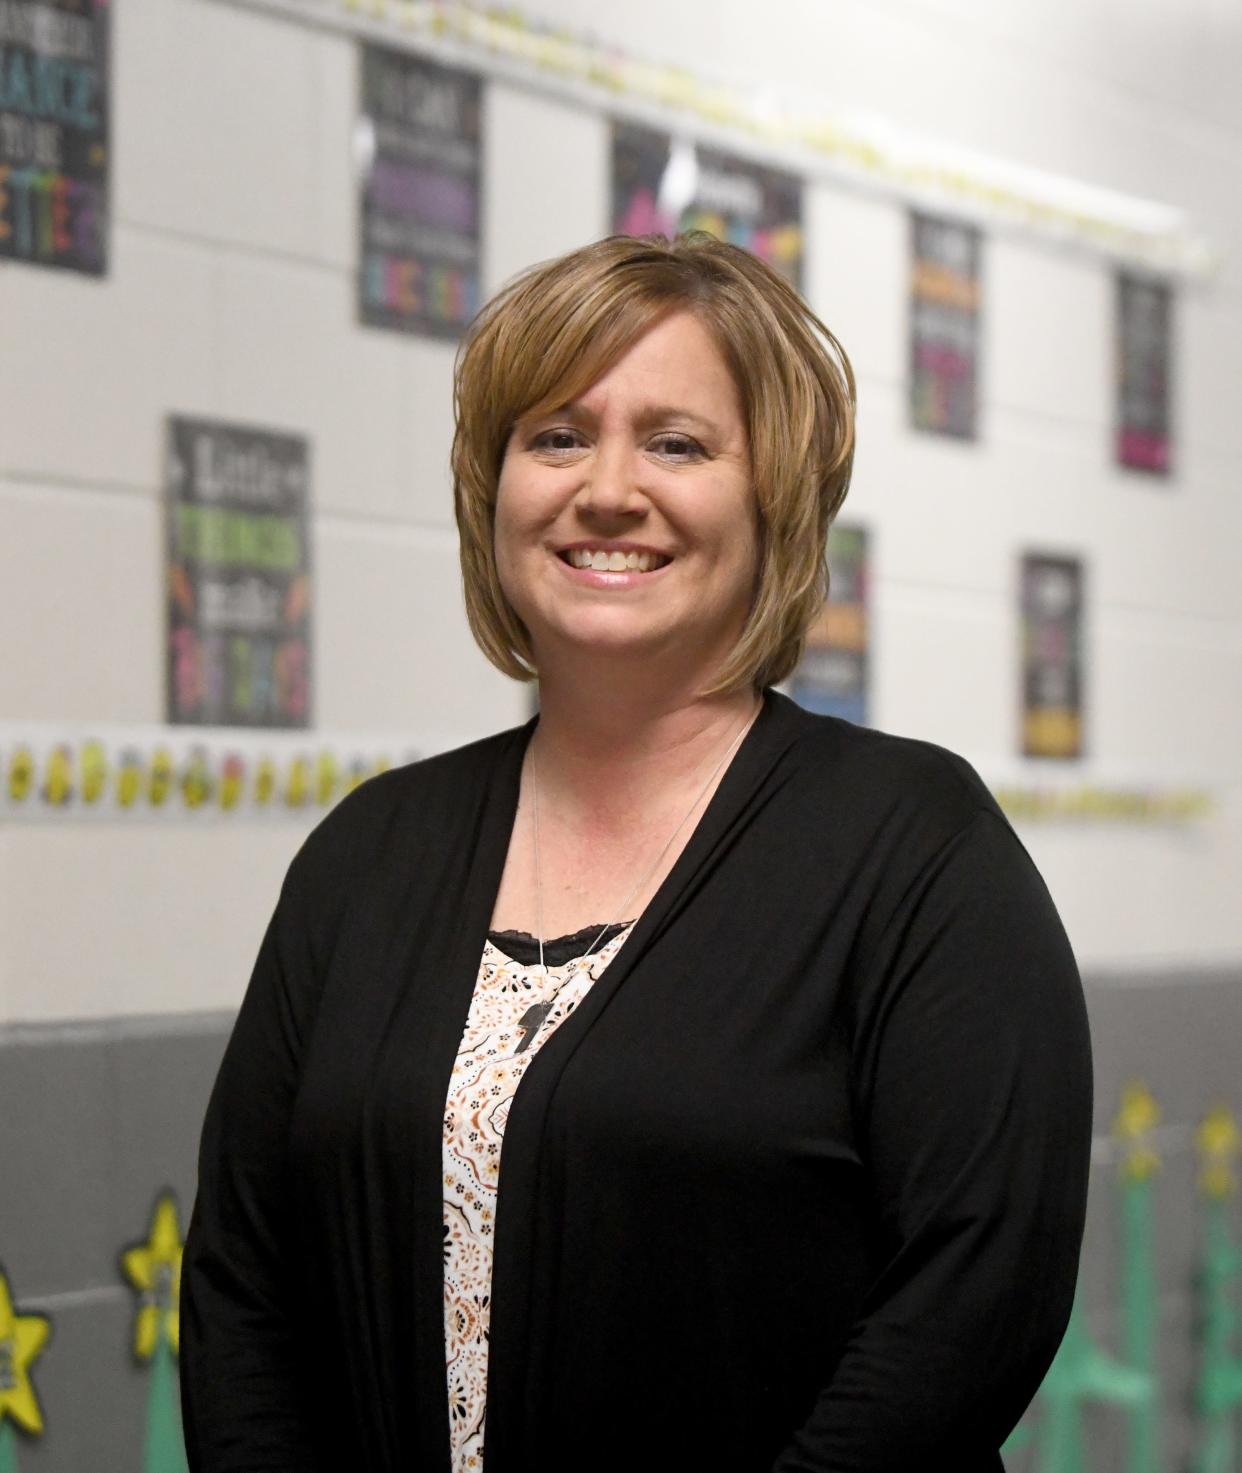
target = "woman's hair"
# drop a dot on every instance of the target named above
(555, 330)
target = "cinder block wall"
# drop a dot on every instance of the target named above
(125, 948)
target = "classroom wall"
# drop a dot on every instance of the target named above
(126, 946)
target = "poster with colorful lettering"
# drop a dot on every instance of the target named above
(662, 185)
(54, 158)
(946, 258)
(831, 676)
(1144, 355)
(419, 148)
(239, 577)
(1052, 655)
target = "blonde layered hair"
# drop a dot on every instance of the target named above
(554, 331)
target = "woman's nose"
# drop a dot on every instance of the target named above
(611, 485)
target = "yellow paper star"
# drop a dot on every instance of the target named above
(22, 1337)
(153, 1269)
(1138, 1117)
(1218, 1140)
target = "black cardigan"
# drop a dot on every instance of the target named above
(799, 1186)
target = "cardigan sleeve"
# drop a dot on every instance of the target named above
(972, 1085)
(241, 1403)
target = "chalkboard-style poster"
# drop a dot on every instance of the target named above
(239, 578)
(1144, 353)
(419, 145)
(1052, 657)
(660, 187)
(944, 326)
(54, 133)
(831, 677)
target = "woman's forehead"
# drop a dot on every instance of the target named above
(673, 364)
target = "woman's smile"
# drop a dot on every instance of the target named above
(612, 565)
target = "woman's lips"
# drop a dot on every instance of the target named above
(614, 559)
(614, 577)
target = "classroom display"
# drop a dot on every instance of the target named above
(831, 677)
(945, 302)
(1144, 363)
(55, 163)
(1052, 593)
(419, 144)
(238, 576)
(662, 185)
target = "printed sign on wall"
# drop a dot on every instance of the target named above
(1052, 661)
(944, 325)
(660, 187)
(419, 144)
(1144, 353)
(239, 581)
(54, 133)
(831, 677)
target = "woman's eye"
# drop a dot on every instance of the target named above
(678, 447)
(557, 440)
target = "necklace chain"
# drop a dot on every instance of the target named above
(668, 844)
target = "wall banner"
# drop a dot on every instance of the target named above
(1144, 361)
(831, 677)
(946, 258)
(238, 575)
(1052, 656)
(661, 186)
(418, 144)
(54, 159)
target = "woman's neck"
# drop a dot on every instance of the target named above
(630, 751)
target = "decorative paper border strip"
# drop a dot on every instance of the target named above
(137, 772)
(179, 772)
(775, 127)
(1085, 802)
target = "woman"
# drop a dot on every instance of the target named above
(772, 1015)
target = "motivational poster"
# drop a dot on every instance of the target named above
(831, 677)
(1144, 351)
(239, 577)
(1052, 656)
(944, 326)
(419, 146)
(662, 186)
(54, 160)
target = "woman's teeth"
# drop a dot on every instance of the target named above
(613, 562)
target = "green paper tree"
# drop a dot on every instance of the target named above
(1137, 1118)
(1083, 1373)
(153, 1270)
(1219, 1391)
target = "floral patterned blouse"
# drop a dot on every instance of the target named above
(516, 1008)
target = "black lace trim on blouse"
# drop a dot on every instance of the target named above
(522, 947)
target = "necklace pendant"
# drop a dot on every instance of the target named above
(531, 1021)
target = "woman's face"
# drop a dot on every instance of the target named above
(626, 520)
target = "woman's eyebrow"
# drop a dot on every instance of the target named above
(674, 414)
(651, 414)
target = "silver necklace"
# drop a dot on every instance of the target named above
(534, 777)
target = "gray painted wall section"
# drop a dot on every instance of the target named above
(95, 1120)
